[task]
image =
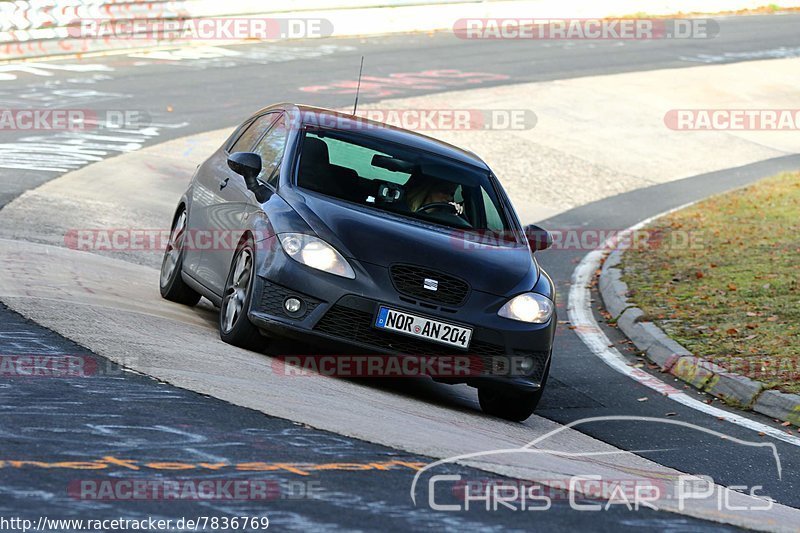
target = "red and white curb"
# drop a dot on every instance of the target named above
(735, 388)
(588, 330)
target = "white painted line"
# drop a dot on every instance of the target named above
(586, 327)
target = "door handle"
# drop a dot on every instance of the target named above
(223, 184)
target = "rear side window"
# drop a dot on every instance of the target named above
(253, 132)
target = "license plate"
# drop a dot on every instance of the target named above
(424, 328)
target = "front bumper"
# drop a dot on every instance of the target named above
(336, 315)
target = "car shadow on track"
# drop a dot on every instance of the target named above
(458, 397)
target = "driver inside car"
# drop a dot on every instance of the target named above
(431, 191)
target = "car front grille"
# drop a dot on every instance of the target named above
(411, 281)
(350, 321)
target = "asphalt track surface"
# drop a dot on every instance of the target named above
(118, 413)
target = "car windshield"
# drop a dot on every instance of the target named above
(402, 180)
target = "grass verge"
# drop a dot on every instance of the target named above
(722, 277)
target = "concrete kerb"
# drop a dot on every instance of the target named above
(672, 357)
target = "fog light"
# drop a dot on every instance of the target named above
(526, 365)
(292, 305)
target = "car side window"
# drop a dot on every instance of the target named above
(271, 149)
(493, 219)
(237, 134)
(253, 132)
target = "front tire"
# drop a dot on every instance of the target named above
(234, 326)
(511, 404)
(171, 282)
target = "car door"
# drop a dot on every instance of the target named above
(220, 200)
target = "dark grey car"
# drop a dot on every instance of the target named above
(321, 226)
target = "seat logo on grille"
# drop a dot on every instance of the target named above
(430, 284)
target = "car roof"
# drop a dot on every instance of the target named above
(378, 130)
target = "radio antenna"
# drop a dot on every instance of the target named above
(358, 88)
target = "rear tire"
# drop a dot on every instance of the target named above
(511, 404)
(234, 326)
(171, 282)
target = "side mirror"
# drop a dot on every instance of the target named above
(248, 166)
(538, 238)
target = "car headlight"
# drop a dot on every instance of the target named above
(528, 307)
(316, 253)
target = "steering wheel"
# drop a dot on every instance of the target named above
(441, 205)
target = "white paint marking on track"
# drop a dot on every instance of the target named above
(70, 150)
(215, 56)
(586, 327)
(44, 69)
(774, 53)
